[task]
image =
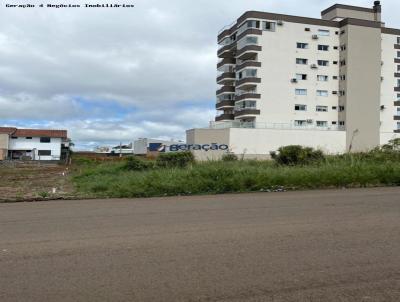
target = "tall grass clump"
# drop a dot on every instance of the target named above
(175, 160)
(181, 175)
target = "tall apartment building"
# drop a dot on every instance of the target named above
(335, 80)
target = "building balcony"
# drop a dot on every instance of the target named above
(397, 103)
(226, 61)
(397, 61)
(226, 32)
(225, 104)
(397, 89)
(396, 46)
(246, 96)
(397, 74)
(248, 83)
(225, 117)
(250, 31)
(397, 117)
(247, 112)
(227, 51)
(248, 64)
(397, 131)
(248, 52)
(225, 89)
(226, 77)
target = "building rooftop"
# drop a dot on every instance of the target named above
(33, 132)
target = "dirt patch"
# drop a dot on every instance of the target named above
(34, 181)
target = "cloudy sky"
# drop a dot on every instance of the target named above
(110, 75)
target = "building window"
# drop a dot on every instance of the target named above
(301, 91)
(28, 137)
(342, 93)
(247, 73)
(322, 78)
(269, 26)
(343, 32)
(308, 29)
(45, 139)
(335, 77)
(245, 105)
(343, 77)
(343, 63)
(398, 54)
(398, 97)
(323, 32)
(301, 77)
(343, 47)
(341, 123)
(334, 92)
(398, 67)
(341, 108)
(323, 47)
(14, 137)
(300, 107)
(323, 63)
(300, 122)
(322, 93)
(301, 61)
(334, 123)
(252, 24)
(334, 108)
(398, 40)
(398, 125)
(322, 124)
(322, 108)
(302, 45)
(44, 153)
(335, 47)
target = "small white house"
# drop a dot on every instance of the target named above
(32, 144)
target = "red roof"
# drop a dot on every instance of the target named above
(33, 132)
(7, 130)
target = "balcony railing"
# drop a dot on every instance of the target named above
(226, 76)
(248, 81)
(226, 89)
(225, 103)
(226, 61)
(247, 111)
(248, 64)
(282, 126)
(248, 96)
(250, 31)
(224, 117)
(248, 48)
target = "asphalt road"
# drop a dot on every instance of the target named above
(299, 246)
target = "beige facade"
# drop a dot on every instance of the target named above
(338, 73)
(3, 146)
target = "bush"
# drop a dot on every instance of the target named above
(133, 163)
(172, 160)
(229, 157)
(297, 155)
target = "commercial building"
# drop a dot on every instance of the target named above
(32, 144)
(331, 83)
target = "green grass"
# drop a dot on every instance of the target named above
(359, 170)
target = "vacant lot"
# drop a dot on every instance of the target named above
(34, 181)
